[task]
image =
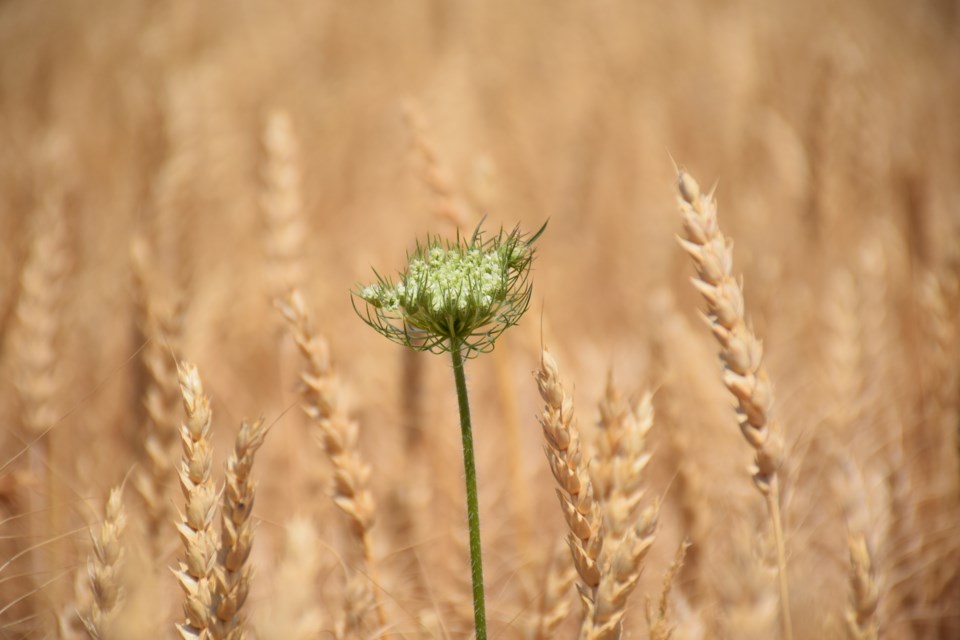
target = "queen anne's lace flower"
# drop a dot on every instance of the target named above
(461, 293)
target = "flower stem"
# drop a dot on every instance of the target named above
(473, 507)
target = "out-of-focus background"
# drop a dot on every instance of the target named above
(168, 168)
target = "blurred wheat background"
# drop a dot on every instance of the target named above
(170, 169)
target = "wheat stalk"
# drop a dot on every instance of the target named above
(337, 433)
(865, 594)
(621, 572)
(103, 568)
(160, 325)
(357, 601)
(659, 620)
(195, 570)
(281, 205)
(38, 322)
(435, 174)
(608, 580)
(617, 473)
(172, 188)
(236, 535)
(688, 483)
(582, 512)
(903, 549)
(37, 377)
(554, 605)
(939, 297)
(297, 615)
(741, 352)
(621, 457)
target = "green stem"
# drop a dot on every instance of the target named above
(473, 506)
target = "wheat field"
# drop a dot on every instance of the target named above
(738, 372)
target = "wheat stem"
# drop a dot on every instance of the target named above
(773, 507)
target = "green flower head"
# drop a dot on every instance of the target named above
(453, 293)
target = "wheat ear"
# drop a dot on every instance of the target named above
(688, 484)
(281, 204)
(659, 620)
(195, 570)
(607, 581)
(575, 491)
(35, 370)
(103, 568)
(435, 174)
(38, 322)
(617, 473)
(297, 615)
(621, 456)
(357, 601)
(337, 432)
(622, 568)
(236, 535)
(741, 352)
(554, 605)
(160, 324)
(865, 594)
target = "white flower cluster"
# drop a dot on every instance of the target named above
(460, 295)
(446, 280)
(380, 296)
